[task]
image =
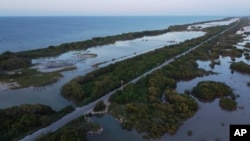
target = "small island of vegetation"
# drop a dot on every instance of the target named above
(228, 104)
(210, 90)
(241, 67)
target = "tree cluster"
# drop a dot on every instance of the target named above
(20, 120)
(100, 106)
(210, 90)
(228, 104)
(9, 61)
(74, 131)
(241, 67)
(153, 116)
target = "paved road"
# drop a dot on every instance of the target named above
(79, 111)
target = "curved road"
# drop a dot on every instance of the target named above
(79, 111)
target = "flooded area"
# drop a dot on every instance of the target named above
(84, 60)
(211, 122)
(215, 121)
(212, 24)
(117, 51)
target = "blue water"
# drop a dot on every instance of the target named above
(25, 33)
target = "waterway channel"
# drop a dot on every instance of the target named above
(50, 95)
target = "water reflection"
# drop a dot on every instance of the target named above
(210, 122)
(50, 95)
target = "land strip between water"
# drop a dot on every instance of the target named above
(86, 109)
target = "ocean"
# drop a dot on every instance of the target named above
(26, 33)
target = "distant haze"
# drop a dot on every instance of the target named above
(123, 7)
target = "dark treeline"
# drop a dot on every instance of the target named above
(10, 61)
(96, 41)
(18, 121)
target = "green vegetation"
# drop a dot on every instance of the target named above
(151, 106)
(10, 61)
(24, 58)
(151, 115)
(73, 131)
(209, 90)
(100, 106)
(73, 90)
(19, 121)
(241, 67)
(228, 104)
(97, 41)
(154, 99)
(102, 81)
(30, 77)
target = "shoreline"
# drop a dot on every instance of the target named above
(188, 51)
(91, 33)
(55, 66)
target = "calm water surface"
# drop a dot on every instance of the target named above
(50, 95)
(210, 123)
(25, 33)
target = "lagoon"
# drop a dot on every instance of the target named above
(50, 95)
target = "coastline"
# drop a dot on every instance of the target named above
(79, 28)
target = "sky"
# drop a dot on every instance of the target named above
(124, 7)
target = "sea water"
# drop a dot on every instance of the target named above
(26, 33)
